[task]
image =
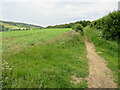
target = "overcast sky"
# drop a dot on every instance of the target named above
(51, 12)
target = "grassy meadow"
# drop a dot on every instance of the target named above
(46, 58)
(106, 49)
(18, 39)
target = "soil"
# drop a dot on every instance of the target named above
(76, 80)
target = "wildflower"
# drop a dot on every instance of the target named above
(6, 77)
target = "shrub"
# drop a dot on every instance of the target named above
(110, 26)
(78, 27)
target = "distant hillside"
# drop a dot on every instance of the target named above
(10, 26)
(84, 23)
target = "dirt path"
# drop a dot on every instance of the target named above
(99, 74)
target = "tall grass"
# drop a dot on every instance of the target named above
(48, 65)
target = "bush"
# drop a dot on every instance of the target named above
(109, 25)
(78, 27)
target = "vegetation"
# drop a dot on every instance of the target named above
(78, 28)
(48, 58)
(70, 25)
(110, 26)
(106, 49)
(49, 64)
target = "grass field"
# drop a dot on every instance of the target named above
(106, 49)
(47, 58)
(18, 39)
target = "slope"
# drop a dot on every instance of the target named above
(12, 26)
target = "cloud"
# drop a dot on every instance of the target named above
(44, 12)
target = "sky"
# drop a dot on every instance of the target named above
(52, 12)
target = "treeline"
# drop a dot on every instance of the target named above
(22, 25)
(70, 25)
(109, 25)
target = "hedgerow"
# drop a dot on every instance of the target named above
(110, 26)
